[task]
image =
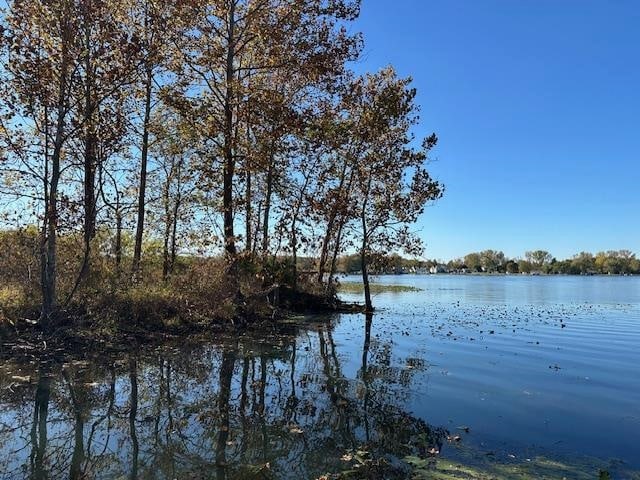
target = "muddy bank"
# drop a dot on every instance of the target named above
(120, 324)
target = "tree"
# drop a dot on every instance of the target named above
(69, 62)
(174, 151)
(108, 64)
(392, 186)
(583, 262)
(538, 258)
(492, 261)
(234, 48)
(41, 74)
(511, 267)
(156, 23)
(524, 266)
(473, 262)
(199, 115)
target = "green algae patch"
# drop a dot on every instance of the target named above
(355, 287)
(539, 468)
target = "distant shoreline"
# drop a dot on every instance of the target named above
(494, 274)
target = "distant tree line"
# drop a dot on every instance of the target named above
(612, 262)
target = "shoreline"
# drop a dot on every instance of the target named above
(120, 327)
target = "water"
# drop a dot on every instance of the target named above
(525, 370)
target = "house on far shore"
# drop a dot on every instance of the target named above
(420, 270)
(440, 268)
(460, 269)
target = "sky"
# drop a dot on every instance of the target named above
(536, 104)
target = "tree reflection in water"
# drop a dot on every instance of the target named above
(258, 405)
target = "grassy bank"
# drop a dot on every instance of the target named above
(110, 305)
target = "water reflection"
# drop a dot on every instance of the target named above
(260, 405)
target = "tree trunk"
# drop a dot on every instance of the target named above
(248, 200)
(137, 250)
(168, 222)
(267, 205)
(363, 252)
(174, 232)
(90, 154)
(294, 226)
(257, 229)
(89, 203)
(229, 160)
(324, 252)
(118, 241)
(342, 221)
(365, 278)
(176, 209)
(294, 256)
(48, 243)
(248, 193)
(336, 250)
(165, 248)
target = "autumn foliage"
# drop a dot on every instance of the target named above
(195, 150)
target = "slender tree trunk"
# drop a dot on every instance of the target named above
(49, 249)
(363, 252)
(176, 209)
(342, 221)
(168, 222)
(294, 255)
(324, 252)
(174, 232)
(294, 226)
(267, 205)
(144, 154)
(365, 277)
(118, 241)
(89, 205)
(172, 255)
(165, 249)
(336, 250)
(45, 224)
(248, 193)
(229, 160)
(248, 213)
(48, 245)
(257, 229)
(90, 155)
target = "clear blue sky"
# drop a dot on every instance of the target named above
(537, 107)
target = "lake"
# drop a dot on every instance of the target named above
(502, 374)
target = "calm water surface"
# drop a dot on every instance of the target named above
(519, 368)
